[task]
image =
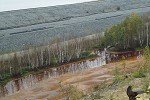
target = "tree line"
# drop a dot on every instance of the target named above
(61, 51)
(132, 33)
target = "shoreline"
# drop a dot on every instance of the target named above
(76, 77)
(41, 70)
(43, 73)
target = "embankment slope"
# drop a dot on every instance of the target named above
(27, 27)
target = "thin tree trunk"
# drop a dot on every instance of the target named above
(147, 34)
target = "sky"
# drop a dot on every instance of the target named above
(7, 5)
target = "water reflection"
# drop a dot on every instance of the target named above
(30, 80)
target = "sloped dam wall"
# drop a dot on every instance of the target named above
(27, 27)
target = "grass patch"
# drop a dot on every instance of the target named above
(100, 86)
(139, 73)
(70, 92)
(117, 76)
(146, 84)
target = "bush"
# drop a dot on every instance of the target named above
(70, 92)
(54, 62)
(87, 54)
(146, 84)
(147, 56)
(144, 68)
(100, 86)
(92, 55)
(84, 54)
(117, 76)
(139, 73)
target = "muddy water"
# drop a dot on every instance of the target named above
(30, 80)
(25, 82)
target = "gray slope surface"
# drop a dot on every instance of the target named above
(22, 28)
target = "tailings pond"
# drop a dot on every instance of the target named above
(28, 81)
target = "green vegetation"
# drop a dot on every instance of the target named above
(60, 52)
(119, 79)
(147, 54)
(146, 84)
(71, 92)
(122, 79)
(132, 33)
(117, 76)
(144, 68)
(139, 73)
(7, 75)
(87, 54)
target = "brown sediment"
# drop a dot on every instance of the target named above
(84, 80)
(42, 96)
(126, 52)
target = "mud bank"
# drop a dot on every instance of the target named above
(84, 80)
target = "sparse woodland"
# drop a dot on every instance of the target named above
(48, 56)
(132, 33)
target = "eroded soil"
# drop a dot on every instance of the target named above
(83, 80)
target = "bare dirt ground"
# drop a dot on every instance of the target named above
(83, 80)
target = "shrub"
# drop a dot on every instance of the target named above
(84, 54)
(92, 55)
(117, 76)
(146, 84)
(100, 86)
(70, 92)
(139, 73)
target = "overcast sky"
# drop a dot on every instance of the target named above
(6, 5)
